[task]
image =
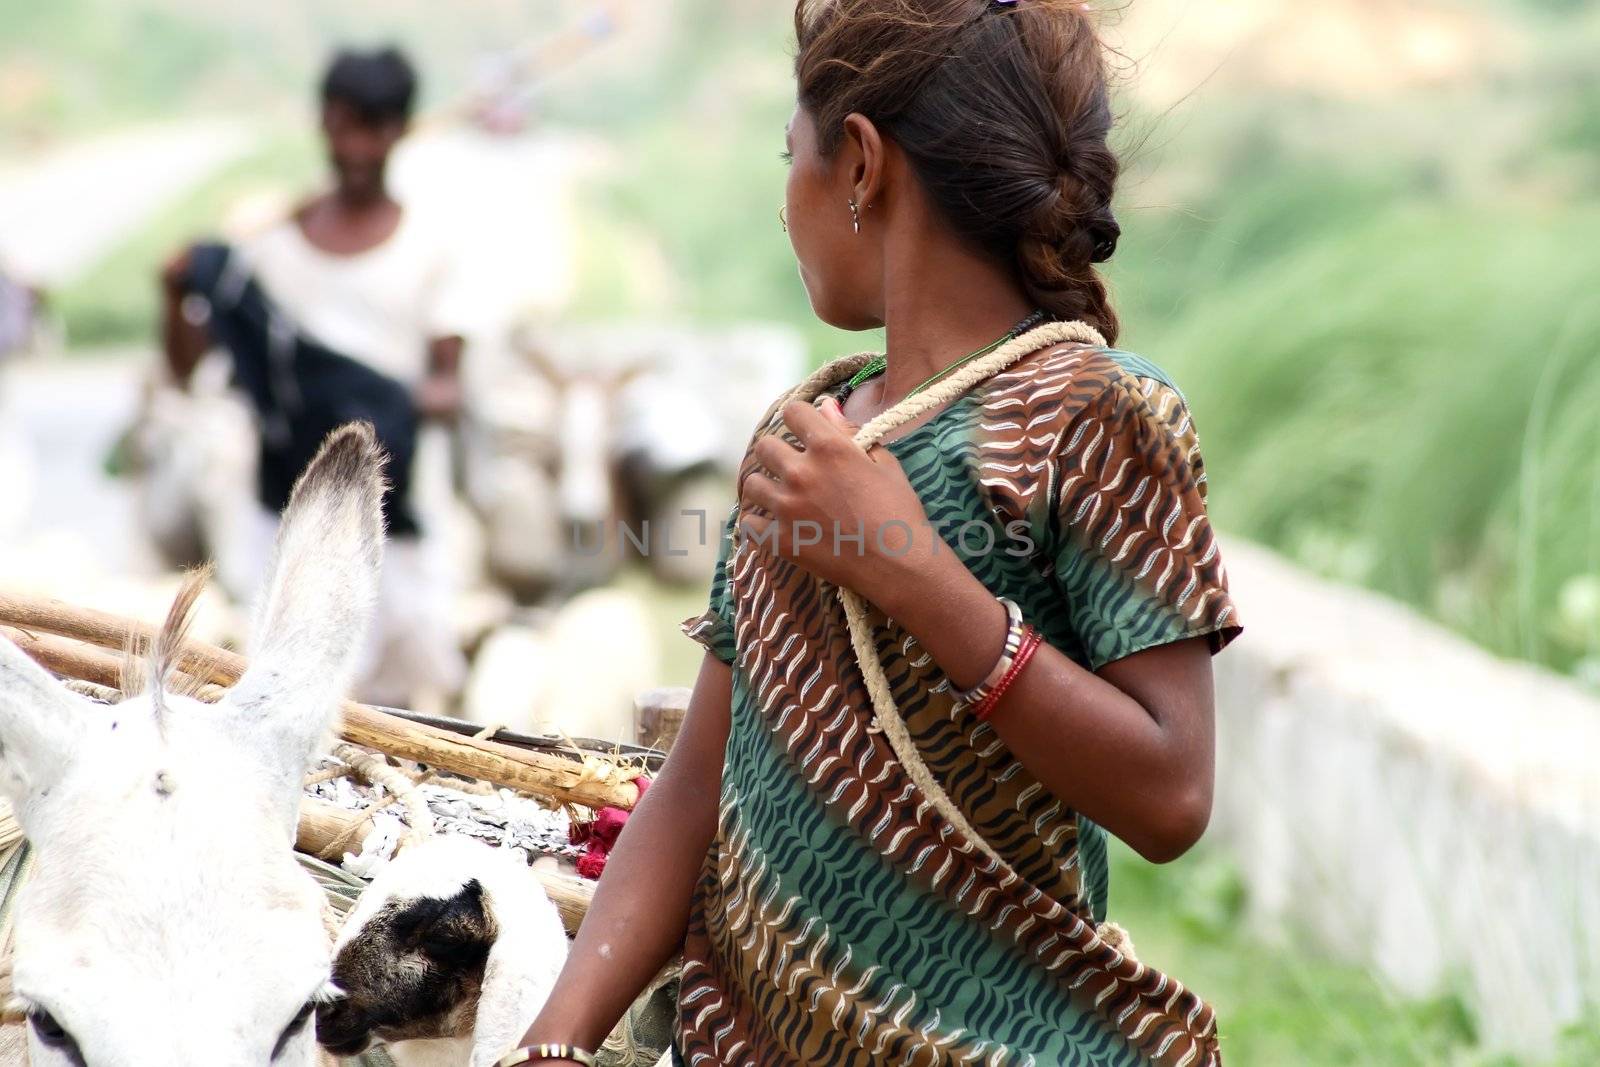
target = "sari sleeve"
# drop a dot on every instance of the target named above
(1137, 558)
(713, 628)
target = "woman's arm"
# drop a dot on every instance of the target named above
(1131, 747)
(641, 906)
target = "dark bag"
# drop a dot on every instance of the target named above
(301, 389)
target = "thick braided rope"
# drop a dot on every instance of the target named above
(985, 367)
(855, 609)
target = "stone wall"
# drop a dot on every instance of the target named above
(1418, 805)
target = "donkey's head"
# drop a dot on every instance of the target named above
(166, 920)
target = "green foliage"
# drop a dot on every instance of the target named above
(1398, 394)
(1276, 1003)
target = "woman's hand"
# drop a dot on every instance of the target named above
(850, 517)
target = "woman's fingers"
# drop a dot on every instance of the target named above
(778, 456)
(811, 426)
(762, 492)
(754, 527)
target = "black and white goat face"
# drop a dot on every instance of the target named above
(447, 957)
(166, 920)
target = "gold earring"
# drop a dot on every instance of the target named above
(855, 215)
(783, 217)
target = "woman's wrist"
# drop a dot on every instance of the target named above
(942, 604)
(547, 1052)
(580, 1037)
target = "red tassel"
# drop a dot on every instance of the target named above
(591, 865)
(600, 836)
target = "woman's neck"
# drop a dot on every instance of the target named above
(939, 309)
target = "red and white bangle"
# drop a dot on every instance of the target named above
(1016, 630)
(1030, 644)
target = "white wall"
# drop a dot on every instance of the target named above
(1418, 805)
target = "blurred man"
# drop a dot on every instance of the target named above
(337, 313)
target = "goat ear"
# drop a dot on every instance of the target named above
(41, 722)
(517, 980)
(314, 613)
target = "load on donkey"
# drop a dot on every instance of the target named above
(168, 906)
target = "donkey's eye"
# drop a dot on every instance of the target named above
(52, 1034)
(297, 1024)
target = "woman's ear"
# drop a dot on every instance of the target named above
(865, 153)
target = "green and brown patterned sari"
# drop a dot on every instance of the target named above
(839, 919)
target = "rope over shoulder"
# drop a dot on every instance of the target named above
(981, 369)
(887, 714)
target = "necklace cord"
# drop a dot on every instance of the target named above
(880, 363)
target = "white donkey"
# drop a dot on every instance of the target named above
(166, 921)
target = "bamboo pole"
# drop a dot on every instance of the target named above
(591, 782)
(68, 658)
(327, 830)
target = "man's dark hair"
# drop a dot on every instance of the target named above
(380, 85)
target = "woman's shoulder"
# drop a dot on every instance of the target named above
(1095, 367)
(1117, 412)
(1069, 385)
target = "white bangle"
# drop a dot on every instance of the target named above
(547, 1052)
(1014, 633)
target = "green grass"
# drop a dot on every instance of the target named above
(1285, 1004)
(1276, 1004)
(1405, 400)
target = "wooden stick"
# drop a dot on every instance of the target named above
(44, 615)
(591, 782)
(68, 658)
(324, 824)
(328, 830)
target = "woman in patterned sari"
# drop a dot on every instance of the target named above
(1043, 594)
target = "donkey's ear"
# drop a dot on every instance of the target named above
(314, 612)
(41, 722)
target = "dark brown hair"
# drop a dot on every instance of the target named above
(1004, 111)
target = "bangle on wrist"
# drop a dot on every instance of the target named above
(1015, 627)
(529, 1053)
(1030, 644)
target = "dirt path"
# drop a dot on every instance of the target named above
(62, 210)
